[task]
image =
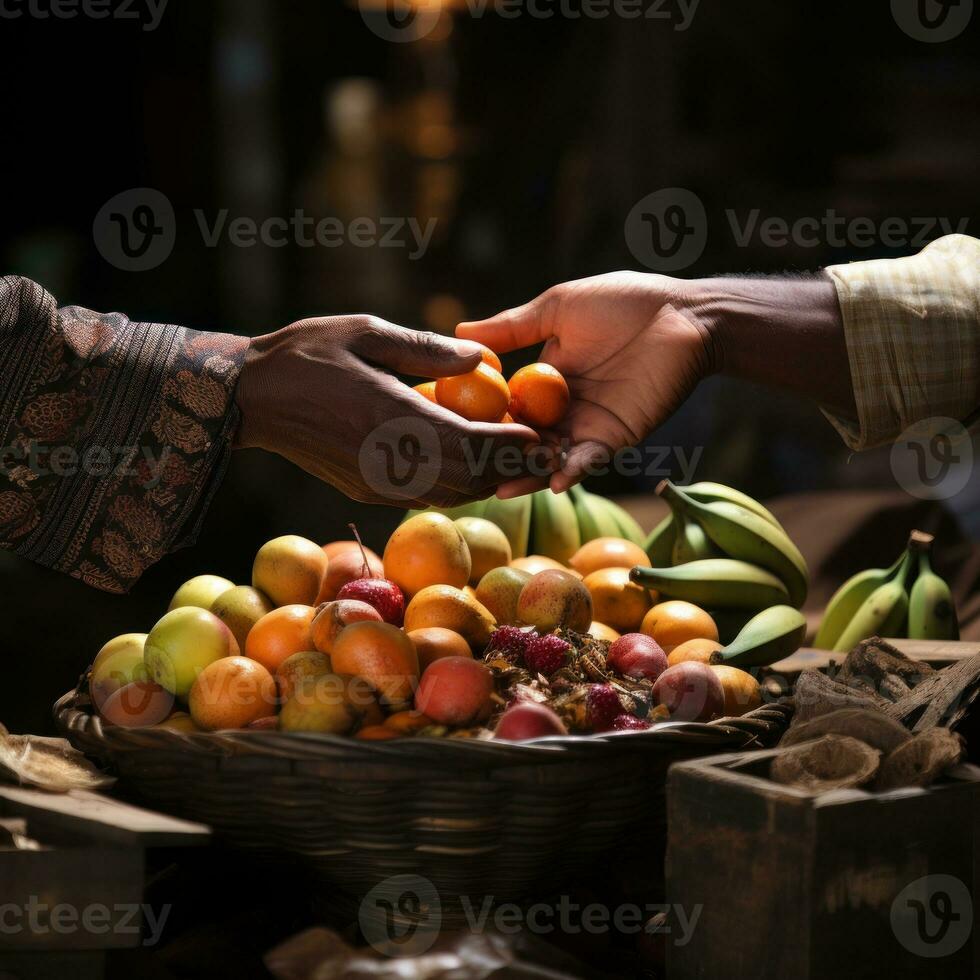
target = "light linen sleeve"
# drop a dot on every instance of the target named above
(912, 327)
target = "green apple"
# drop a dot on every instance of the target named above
(182, 644)
(118, 663)
(200, 591)
(240, 608)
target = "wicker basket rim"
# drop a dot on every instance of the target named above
(71, 716)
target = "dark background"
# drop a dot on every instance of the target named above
(529, 140)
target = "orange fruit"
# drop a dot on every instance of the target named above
(536, 563)
(280, 634)
(428, 390)
(675, 621)
(381, 654)
(428, 549)
(616, 601)
(600, 631)
(480, 396)
(232, 693)
(697, 649)
(433, 642)
(607, 553)
(408, 722)
(539, 396)
(377, 733)
(491, 359)
(289, 570)
(334, 548)
(742, 691)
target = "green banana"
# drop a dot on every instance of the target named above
(708, 493)
(744, 535)
(628, 527)
(690, 542)
(554, 526)
(883, 613)
(594, 520)
(846, 601)
(659, 545)
(932, 613)
(730, 622)
(513, 517)
(774, 633)
(710, 582)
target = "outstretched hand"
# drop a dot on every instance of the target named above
(628, 353)
(320, 392)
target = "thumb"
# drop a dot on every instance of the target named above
(522, 326)
(420, 353)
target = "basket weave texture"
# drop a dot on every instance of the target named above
(473, 817)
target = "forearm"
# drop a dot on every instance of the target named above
(783, 332)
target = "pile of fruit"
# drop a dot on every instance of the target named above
(447, 634)
(907, 599)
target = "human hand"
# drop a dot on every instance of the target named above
(630, 350)
(317, 390)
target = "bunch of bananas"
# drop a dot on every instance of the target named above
(907, 599)
(719, 548)
(553, 525)
(726, 553)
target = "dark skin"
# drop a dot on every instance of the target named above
(315, 391)
(633, 347)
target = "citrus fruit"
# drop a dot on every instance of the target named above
(280, 634)
(538, 396)
(675, 621)
(481, 395)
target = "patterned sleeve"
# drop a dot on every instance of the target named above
(114, 434)
(912, 328)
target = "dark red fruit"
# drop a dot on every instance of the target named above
(629, 723)
(380, 593)
(602, 707)
(546, 654)
(511, 641)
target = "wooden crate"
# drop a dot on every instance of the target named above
(63, 906)
(786, 884)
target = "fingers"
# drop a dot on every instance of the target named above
(522, 326)
(582, 460)
(416, 352)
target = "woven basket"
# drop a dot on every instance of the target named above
(473, 817)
